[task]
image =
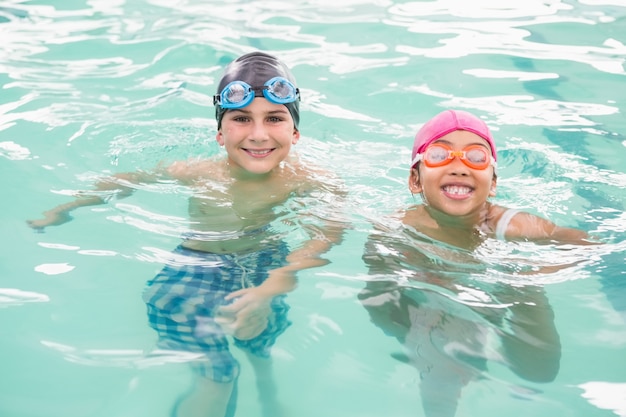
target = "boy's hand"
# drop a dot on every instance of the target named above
(51, 218)
(61, 214)
(247, 316)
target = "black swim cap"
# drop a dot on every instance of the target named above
(255, 69)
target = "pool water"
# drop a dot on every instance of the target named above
(93, 87)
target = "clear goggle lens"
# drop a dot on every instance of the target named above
(239, 94)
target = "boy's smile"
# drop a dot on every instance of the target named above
(258, 153)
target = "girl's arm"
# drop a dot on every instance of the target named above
(530, 227)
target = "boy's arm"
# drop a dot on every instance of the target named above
(250, 303)
(325, 228)
(309, 255)
(246, 316)
(118, 185)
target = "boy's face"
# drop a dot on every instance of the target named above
(455, 189)
(259, 136)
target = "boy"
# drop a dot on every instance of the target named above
(229, 273)
(429, 263)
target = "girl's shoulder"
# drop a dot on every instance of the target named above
(501, 220)
(415, 216)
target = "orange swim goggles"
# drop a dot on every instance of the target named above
(440, 154)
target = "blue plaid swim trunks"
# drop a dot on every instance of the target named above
(183, 298)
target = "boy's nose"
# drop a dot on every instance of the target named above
(259, 132)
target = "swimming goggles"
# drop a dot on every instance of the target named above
(239, 94)
(439, 154)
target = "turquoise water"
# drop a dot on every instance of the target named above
(101, 86)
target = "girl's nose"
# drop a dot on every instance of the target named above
(458, 167)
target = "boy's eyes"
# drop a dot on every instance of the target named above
(244, 118)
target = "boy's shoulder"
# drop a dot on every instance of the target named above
(194, 169)
(310, 176)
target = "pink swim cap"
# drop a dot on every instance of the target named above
(446, 122)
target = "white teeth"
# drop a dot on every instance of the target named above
(261, 152)
(456, 189)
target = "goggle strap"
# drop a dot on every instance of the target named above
(417, 159)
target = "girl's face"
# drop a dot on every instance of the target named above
(258, 137)
(455, 189)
